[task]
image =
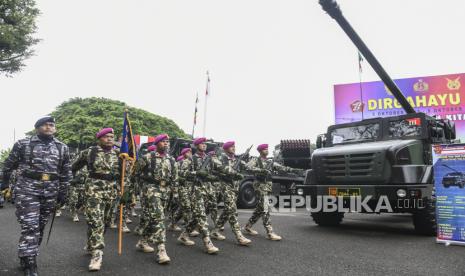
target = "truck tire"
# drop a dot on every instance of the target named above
(247, 198)
(424, 220)
(327, 218)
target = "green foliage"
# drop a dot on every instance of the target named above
(17, 25)
(79, 119)
(4, 155)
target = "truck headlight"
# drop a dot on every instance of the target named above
(300, 191)
(401, 193)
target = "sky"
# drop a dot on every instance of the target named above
(272, 63)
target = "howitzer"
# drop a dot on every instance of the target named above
(332, 8)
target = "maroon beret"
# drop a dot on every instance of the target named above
(212, 152)
(180, 158)
(185, 150)
(262, 147)
(152, 148)
(199, 140)
(228, 144)
(103, 132)
(160, 138)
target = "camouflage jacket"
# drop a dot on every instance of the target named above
(34, 156)
(155, 168)
(264, 167)
(99, 161)
(228, 163)
(80, 178)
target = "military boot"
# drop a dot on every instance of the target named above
(184, 239)
(211, 249)
(30, 266)
(126, 229)
(96, 261)
(241, 239)
(174, 227)
(217, 235)
(144, 246)
(75, 217)
(194, 233)
(58, 213)
(162, 257)
(22, 262)
(133, 213)
(271, 235)
(248, 229)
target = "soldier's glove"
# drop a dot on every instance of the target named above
(61, 199)
(125, 198)
(7, 194)
(202, 173)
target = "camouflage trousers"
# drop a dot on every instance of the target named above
(143, 221)
(199, 216)
(76, 198)
(184, 200)
(99, 214)
(156, 197)
(32, 213)
(230, 191)
(262, 210)
(212, 192)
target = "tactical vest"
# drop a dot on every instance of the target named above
(150, 169)
(92, 157)
(28, 153)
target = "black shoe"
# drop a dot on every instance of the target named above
(22, 262)
(31, 267)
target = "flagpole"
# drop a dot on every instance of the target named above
(120, 226)
(195, 115)
(205, 108)
(360, 81)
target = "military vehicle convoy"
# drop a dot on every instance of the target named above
(381, 157)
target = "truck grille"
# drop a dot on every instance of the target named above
(360, 164)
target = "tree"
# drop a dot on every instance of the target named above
(78, 120)
(17, 26)
(3, 156)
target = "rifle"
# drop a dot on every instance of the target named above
(241, 158)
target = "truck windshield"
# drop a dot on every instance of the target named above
(355, 133)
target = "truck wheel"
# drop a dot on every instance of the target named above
(424, 220)
(327, 219)
(247, 198)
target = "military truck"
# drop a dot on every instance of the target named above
(454, 178)
(388, 158)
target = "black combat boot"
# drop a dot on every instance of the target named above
(31, 266)
(22, 262)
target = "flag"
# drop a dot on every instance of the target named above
(128, 145)
(360, 60)
(207, 90)
(195, 110)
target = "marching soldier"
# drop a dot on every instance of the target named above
(192, 171)
(157, 171)
(76, 193)
(231, 189)
(43, 178)
(104, 168)
(262, 186)
(184, 209)
(143, 221)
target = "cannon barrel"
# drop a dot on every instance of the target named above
(332, 8)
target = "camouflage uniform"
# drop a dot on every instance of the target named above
(188, 171)
(184, 193)
(230, 190)
(262, 186)
(156, 172)
(100, 191)
(43, 174)
(76, 191)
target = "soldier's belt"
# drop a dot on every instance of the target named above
(102, 176)
(161, 183)
(41, 176)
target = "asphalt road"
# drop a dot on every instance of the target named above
(362, 245)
